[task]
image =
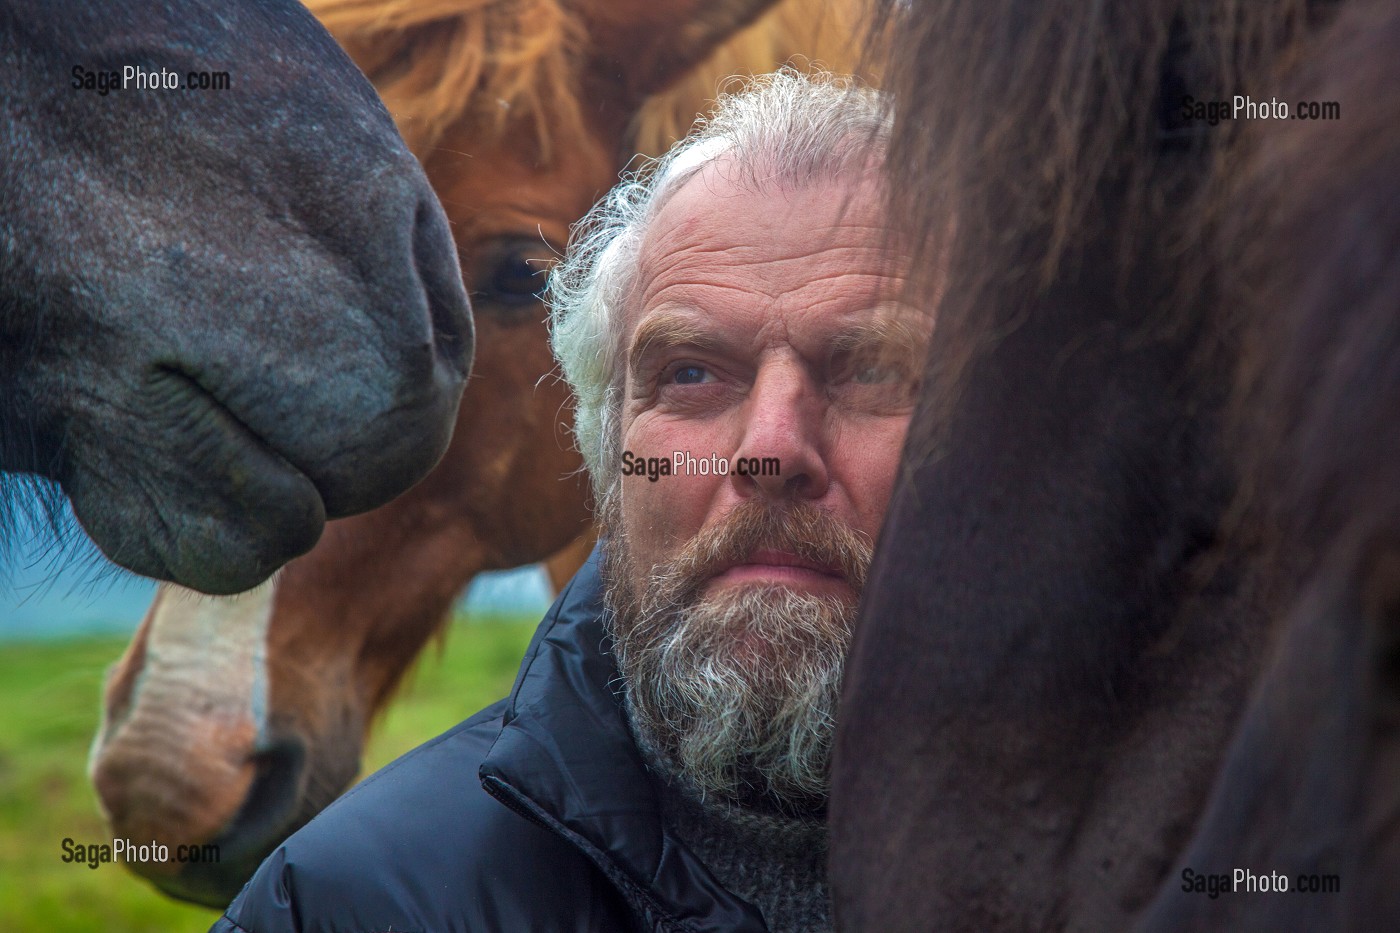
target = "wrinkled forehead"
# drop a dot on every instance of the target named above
(711, 177)
(724, 241)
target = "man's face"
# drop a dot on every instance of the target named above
(764, 328)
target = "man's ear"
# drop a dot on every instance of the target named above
(642, 46)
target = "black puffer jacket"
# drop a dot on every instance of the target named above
(566, 834)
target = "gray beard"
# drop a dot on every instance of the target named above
(735, 694)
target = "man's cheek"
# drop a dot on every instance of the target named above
(646, 515)
(873, 476)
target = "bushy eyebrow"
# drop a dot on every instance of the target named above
(666, 329)
(892, 332)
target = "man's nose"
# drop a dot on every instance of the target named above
(785, 417)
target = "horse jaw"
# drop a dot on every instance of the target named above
(167, 708)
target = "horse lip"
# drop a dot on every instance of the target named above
(198, 392)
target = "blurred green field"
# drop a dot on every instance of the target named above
(49, 694)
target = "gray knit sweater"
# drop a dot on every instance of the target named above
(776, 863)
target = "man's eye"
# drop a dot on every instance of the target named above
(874, 374)
(690, 375)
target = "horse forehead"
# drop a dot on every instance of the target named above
(499, 186)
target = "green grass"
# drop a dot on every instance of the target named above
(49, 695)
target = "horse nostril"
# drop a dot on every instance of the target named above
(268, 815)
(449, 310)
(270, 806)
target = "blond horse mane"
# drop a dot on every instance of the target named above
(809, 34)
(496, 62)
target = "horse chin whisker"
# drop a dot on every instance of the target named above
(35, 513)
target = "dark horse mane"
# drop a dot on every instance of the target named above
(1318, 361)
(1058, 86)
(1099, 580)
(1312, 781)
(1109, 197)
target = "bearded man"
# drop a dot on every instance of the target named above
(744, 374)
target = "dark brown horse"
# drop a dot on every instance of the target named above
(1085, 570)
(225, 314)
(1311, 786)
(236, 720)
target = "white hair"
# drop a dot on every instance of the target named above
(785, 127)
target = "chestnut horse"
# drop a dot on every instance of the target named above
(204, 341)
(522, 112)
(1117, 632)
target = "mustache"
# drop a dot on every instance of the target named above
(810, 533)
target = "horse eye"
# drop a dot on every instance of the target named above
(515, 277)
(508, 273)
